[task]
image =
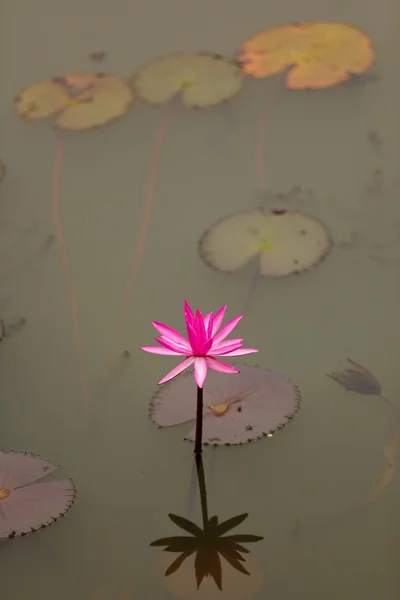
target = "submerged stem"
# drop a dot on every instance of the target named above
(202, 489)
(199, 421)
(392, 406)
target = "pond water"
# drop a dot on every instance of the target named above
(332, 154)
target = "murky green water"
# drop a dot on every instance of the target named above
(340, 147)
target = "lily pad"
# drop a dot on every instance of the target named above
(83, 101)
(237, 408)
(26, 506)
(203, 80)
(284, 242)
(318, 54)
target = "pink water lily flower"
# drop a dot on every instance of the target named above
(205, 342)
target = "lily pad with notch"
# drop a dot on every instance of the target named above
(316, 54)
(202, 79)
(27, 506)
(238, 409)
(82, 101)
(283, 242)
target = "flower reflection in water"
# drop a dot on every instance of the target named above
(207, 577)
(109, 593)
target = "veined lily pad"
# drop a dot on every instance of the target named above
(203, 80)
(318, 54)
(284, 242)
(83, 101)
(237, 408)
(26, 506)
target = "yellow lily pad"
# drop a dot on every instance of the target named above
(84, 101)
(203, 80)
(318, 54)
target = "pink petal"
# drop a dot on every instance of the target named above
(201, 330)
(200, 371)
(192, 336)
(225, 331)
(19, 468)
(158, 350)
(177, 348)
(171, 334)
(241, 352)
(222, 345)
(34, 506)
(225, 351)
(177, 370)
(206, 347)
(187, 312)
(208, 321)
(220, 366)
(218, 318)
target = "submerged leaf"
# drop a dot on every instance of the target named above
(84, 101)
(357, 379)
(318, 54)
(284, 243)
(202, 79)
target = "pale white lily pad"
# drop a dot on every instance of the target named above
(25, 505)
(237, 408)
(284, 242)
(203, 80)
(84, 101)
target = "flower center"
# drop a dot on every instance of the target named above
(264, 245)
(219, 409)
(4, 493)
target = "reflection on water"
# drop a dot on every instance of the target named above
(209, 545)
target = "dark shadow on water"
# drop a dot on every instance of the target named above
(208, 543)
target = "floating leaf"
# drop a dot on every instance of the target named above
(284, 242)
(83, 101)
(202, 79)
(237, 409)
(26, 506)
(319, 54)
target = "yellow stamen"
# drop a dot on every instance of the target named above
(219, 409)
(4, 493)
(262, 246)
